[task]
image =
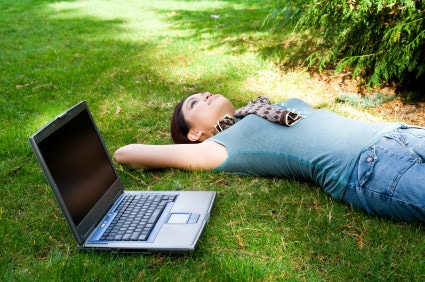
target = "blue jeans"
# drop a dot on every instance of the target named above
(389, 177)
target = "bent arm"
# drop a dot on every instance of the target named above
(203, 156)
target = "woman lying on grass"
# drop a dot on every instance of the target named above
(377, 167)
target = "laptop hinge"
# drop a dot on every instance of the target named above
(95, 224)
(89, 231)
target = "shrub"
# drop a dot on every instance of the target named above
(380, 40)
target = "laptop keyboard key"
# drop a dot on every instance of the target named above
(136, 217)
(154, 216)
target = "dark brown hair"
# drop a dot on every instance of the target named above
(179, 126)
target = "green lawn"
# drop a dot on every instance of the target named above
(132, 61)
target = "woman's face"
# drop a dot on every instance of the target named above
(202, 111)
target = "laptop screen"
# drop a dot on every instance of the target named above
(78, 164)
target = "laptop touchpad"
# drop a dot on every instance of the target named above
(179, 218)
(183, 218)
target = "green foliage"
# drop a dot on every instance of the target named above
(355, 100)
(380, 40)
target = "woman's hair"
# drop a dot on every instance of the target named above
(179, 126)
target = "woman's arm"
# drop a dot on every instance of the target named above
(203, 156)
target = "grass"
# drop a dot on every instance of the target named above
(132, 61)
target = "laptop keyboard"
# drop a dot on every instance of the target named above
(136, 217)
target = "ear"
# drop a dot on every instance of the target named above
(194, 135)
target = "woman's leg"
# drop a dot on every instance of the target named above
(390, 177)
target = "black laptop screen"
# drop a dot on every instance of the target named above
(78, 164)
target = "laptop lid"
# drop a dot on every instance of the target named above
(78, 168)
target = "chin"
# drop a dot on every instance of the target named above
(225, 102)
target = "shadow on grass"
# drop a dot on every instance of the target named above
(286, 50)
(61, 56)
(239, 28)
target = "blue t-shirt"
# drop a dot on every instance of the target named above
(322, 147)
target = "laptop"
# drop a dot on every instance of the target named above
(99, 212)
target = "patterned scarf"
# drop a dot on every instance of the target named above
(261, 107)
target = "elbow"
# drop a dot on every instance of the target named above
(124, 156)
(119, 155)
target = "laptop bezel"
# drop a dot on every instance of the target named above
(95, 215)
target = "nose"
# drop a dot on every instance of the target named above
(207, 95)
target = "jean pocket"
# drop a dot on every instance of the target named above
(412, 138)
(380, 170)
